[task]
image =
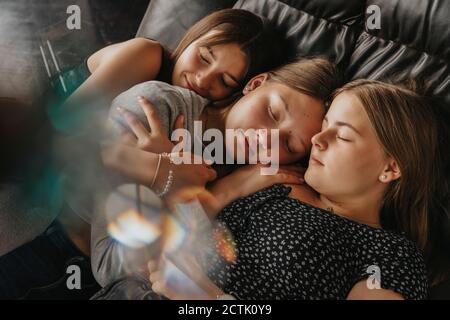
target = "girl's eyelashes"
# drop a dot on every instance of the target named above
(225, 84)
(343, 139)
(287, 146)
(203, 58)
(203, 53)
(271, 114)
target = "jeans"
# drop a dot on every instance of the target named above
(39, 269)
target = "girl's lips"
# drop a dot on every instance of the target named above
(188, 84)
(315, 161)
(191, 87)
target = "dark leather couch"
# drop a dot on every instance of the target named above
(413, 39)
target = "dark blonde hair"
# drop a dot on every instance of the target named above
(256, 36)
(407, 129)
(316, 77)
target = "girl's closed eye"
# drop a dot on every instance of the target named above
(342, 138)
(271, 113)
(288, 148)
(203, 55)
(225, 84)
(203, 59)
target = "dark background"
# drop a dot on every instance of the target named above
(26, 24)
(413, 42)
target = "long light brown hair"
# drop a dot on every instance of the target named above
(264, 47)
(407, 129)
(314, 76)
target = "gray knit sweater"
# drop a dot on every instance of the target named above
(170, 101)
(21, 223)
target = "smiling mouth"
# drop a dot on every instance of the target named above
(188, 84)
(191, 87)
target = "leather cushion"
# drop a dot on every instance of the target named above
(422, 25)
(168, 21)
(378, 58)
(309, 34)
(349, 12)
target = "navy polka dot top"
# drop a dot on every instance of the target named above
(287, 249)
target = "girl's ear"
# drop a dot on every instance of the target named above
(255, 82)
(391, 171)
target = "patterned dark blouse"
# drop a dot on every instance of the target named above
(287, 249)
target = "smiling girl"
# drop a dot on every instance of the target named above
(215, 58)
(290, 99)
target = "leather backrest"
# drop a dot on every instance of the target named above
(168, 20)
(314, 28)
(414, 42)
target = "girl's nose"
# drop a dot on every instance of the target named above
(203, 80)
(319, 141)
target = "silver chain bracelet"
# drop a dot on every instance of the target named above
(170, 178)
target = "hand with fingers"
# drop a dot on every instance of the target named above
(142, 167)
(248, 179)
(190, 174)
(154, 140)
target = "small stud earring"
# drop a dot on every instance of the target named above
(383, 177)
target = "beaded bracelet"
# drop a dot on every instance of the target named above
(168, 156)
(170, 178)
(169, 183)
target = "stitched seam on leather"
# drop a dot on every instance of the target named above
(356, 26)
(440, 57)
